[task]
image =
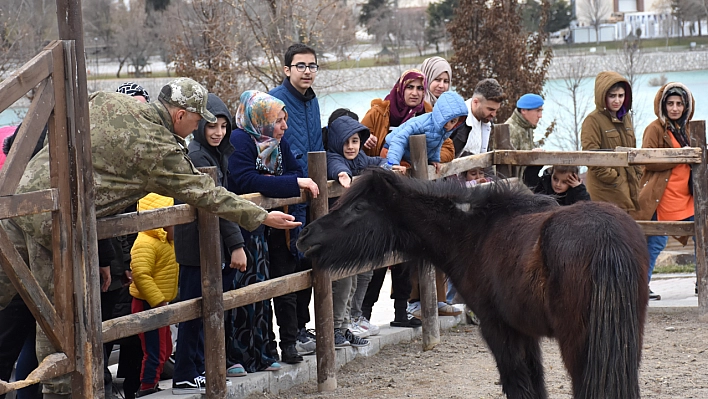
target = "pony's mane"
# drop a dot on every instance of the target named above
(500, 197)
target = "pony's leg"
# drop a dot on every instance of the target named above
(518, 359)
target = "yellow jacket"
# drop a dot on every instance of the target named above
(155, 269)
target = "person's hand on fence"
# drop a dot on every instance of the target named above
(280, 220)
(437, 165)
(371, 142)
(344, 179)
(105, 273)
(399, 169)
(238, 259)
(308, 184)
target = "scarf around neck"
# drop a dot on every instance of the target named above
(256, 115)
(399, 111)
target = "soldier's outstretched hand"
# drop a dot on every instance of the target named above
(280, 220)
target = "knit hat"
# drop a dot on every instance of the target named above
(187, 94)
(133, 89)
(530, 101)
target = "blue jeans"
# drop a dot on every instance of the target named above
(656, 244)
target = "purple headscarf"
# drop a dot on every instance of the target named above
(399, 111)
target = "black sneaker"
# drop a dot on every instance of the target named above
(339, 340)
(654, 296)
(198, 385)
(145, 392)
(290, 355)
(304, 344)
(355, 341)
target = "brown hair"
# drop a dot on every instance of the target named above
(564, 169)
(490, 90)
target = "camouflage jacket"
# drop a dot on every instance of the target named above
(520, 132)
(135, 153)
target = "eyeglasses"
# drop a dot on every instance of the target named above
(300, 66)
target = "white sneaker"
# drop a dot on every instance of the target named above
(358, 330)
(373, 329)
(414, 309)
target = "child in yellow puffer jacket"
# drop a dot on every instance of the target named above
(155, 275)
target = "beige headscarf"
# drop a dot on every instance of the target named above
(432, 68)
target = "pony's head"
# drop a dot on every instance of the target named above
(363, 225)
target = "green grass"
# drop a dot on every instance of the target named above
(666, 269)
(370, 62)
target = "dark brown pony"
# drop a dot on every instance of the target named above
(527, 268)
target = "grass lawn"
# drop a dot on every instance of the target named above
(666, 269)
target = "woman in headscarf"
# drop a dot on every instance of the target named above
(438, 73)
(262, 162)
(666, 189)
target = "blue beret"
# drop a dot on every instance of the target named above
(530, 101)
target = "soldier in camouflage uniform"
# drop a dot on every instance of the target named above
(529, 110)
(137, 148)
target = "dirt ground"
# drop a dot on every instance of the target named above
(674, 365)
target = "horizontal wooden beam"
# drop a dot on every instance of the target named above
(622, 157)
(148, 320)
(643, 156)
(271, 203)
(128, 223)
(28, 203)
(27, 77)
(667, 228)
(460, 165)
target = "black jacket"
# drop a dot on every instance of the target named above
(542, 185)
(202, 154)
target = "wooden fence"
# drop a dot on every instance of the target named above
(72, 321)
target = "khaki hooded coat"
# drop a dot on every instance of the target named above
(602, 131)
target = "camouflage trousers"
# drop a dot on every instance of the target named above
(39, 260)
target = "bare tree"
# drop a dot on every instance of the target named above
(25, 27)
(576, 73)
(595, 12)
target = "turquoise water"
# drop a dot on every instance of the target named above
(643, 104)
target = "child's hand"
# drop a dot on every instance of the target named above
(344, 179)
(482, 180)
(371, 142)
(308, 184)
(238, 259)
(437, 165)
(399, 168)
(573, 180)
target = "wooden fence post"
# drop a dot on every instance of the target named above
(700, 199)
(502, 141)
(212, 300)
(426, 271)
(322, 284)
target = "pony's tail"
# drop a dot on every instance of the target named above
(615, 324)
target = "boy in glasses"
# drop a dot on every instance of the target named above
(304, 133)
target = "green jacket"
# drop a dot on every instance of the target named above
(520, 132)
(135, 153)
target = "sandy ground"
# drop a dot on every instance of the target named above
(674, 365)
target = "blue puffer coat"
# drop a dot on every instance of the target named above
(340, 130)
(304, 131)
(449, 105)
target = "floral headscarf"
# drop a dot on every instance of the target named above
(399, 111)
(256, 115)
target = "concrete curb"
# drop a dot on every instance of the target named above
(295, 374)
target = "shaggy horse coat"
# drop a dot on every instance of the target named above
(527, 268)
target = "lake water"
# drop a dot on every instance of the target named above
(556, 99)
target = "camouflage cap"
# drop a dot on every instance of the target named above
(188, 94)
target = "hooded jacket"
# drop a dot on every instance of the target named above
(602, 131)
(203, 155)
(339, 131)
(155, 269)
(449, 105)
(656, 135)
(304, 132)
